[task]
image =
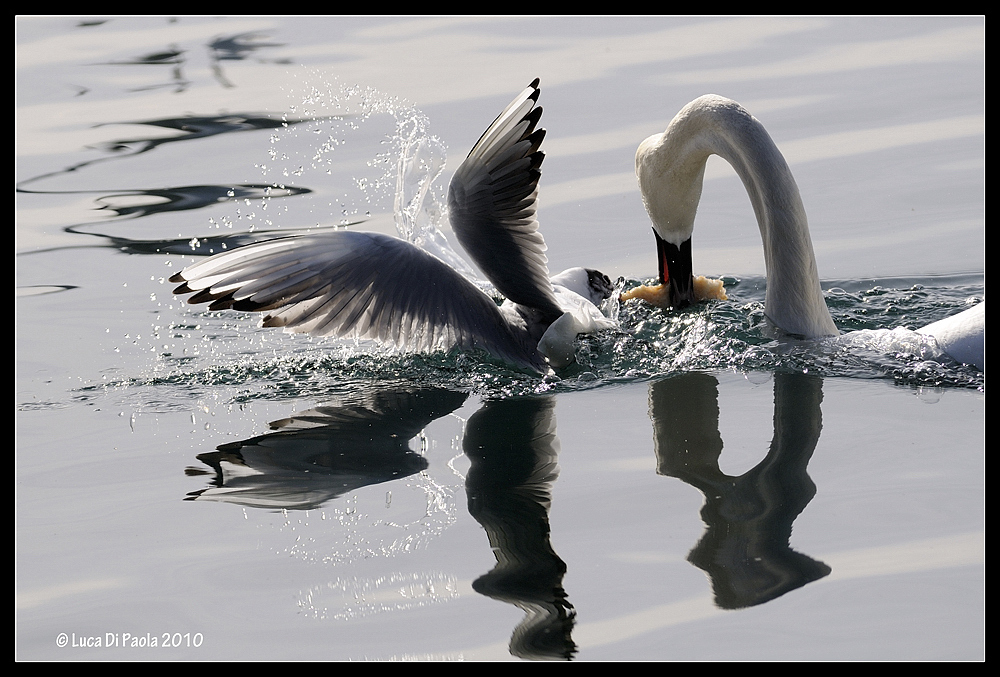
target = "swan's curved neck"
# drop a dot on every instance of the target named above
(671, 171)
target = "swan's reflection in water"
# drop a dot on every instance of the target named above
(513, 448)
(745, 549)
(320, 454)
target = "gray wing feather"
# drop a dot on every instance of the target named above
(492, 201)
(356, 284)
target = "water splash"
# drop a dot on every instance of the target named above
(734, 335)
(403, 181)
(226, 353)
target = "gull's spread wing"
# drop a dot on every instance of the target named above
(357, 284)
(492, 201)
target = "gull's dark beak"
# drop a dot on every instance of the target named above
(675, 270)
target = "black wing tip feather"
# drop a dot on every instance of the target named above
(249, 306)
(220, 302)
(531, 116)
(217, 301)
(206, 296)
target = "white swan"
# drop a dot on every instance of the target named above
(671, 169)
(367, 285)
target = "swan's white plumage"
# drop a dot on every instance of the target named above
(367, 285)
(962, 336)
(671, 170)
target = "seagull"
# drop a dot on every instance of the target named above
(367, 285)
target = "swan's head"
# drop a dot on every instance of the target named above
(671, 170)
(670, 179)
(673, 221)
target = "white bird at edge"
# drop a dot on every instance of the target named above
(367, 285)
(671, 169)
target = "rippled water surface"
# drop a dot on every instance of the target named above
(189, 485)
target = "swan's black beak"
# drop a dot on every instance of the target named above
(675, 270)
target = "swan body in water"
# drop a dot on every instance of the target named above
(367, 285)
(671, 170)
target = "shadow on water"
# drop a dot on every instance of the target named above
(195, 246)
(322, 453)
(192, 127)
(240, 46)
(748, 519)
(237, 47)
(171, 56)
(137, 203)
(513, 448)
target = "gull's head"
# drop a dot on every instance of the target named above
(591, 284)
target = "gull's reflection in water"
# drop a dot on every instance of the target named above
(745, 549)
(513, 451)
(320, 454)
(325, 452)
